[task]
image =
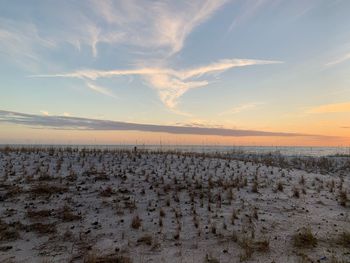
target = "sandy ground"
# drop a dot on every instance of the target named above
(115, 206)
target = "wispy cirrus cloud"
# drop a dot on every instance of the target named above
(252, 9)
(156, 24)
(330, 108)
(199, 123)
(76, 123)
(247, 12)
(170, 84)
(160, 29)
(21, 43)
(339, 60)
(100, 89)
(151, 26)
(240, 108)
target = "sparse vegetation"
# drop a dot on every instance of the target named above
(151, 202)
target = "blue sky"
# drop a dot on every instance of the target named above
(267, 65)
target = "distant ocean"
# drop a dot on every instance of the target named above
(283, 150)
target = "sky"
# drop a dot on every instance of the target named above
(239, 72)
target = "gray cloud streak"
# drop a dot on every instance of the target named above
(76, 123)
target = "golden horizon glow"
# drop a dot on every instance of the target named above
(331, 108)
(11, 134)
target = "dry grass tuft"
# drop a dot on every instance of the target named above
(296, 192)
(344, 239)
(210, 259)
(38, 214)
(107, 192)
(304, 238)
(7, 233)
(13, 191)
(67, 215)
(136, 222)
(334, 259)
(255, 187)
(342, 198)
(279, 187)
(47, 190)
(249, 246)
(41, 228)
(146, 239)
(94, 258)
(161, 213)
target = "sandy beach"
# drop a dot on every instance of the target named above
(70, 205)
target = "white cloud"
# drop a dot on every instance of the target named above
(240, 108)
(156, 24)
(339, 60)
(100, 89)
(170, 88)
(45, 113)
(170, 84)
(248, 11)
(157, 28)
(252, 9)
(199, 123)
(21, 43)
